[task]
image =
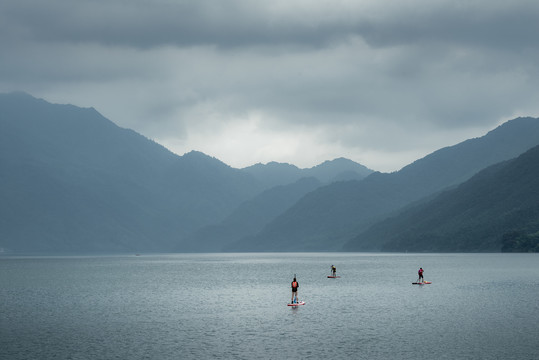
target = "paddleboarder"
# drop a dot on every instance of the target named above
(295, 286)
(333, 270)
(420, 274)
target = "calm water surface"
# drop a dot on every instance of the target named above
(233, 306)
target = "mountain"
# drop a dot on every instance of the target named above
(496, 210)
(328, 217)
(275, 174)
(71, 180)
(251, 216)
(339, 169)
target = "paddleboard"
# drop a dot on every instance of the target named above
(297, 304)
(333, 277)
(422, 283)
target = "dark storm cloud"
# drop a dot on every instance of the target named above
(249, 23)
(266, 79)
(160, 23)
(509, 25)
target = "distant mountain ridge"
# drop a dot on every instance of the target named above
(495, 210)
(325, 219)
(73, 181)
(340, 169)
(251, 216)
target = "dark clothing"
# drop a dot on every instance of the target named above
(295, 286)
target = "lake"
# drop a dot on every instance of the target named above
(234, 306)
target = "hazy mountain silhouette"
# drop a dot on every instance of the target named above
(274, 173)
(497, 209)
(331, 215)
(251, 216)
(74, 181)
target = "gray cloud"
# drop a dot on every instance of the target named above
(144, 24)
(380, 83)
(164, 23)
(495, 24)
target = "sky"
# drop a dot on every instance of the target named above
(382, 83)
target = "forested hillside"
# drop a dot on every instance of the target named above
(325, 219)
(496, 210)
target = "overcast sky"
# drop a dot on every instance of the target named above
(382, 83)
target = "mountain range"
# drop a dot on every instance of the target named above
(496, 209)
(328, 218)
(73, 181)
(340, 169)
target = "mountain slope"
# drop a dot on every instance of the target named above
(71, 180)
(494, 210)
(251, 216)
(328, 217)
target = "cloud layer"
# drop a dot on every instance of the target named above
(381, 83)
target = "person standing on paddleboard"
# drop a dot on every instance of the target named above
(333, 270)
(295, 286)
(420, 274)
